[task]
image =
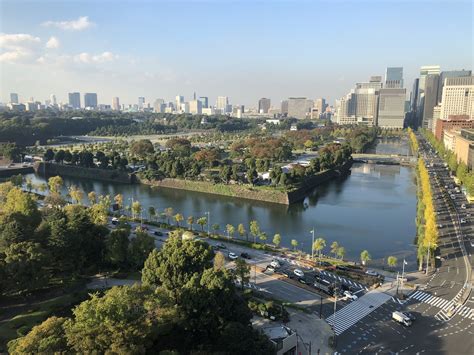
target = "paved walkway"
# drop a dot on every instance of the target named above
(102, 282)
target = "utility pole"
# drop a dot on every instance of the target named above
(312, 244)
(403, 273)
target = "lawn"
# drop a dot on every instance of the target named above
(35, 313)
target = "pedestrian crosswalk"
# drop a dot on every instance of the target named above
(355, 311)
(344, 280)
(448, 308)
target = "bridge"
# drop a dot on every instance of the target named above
(386, 159)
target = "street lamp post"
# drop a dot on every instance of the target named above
(208, 222)
(312, 243)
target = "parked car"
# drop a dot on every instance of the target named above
(245, 255)
(302, 280)
(232, 256)
(350, 295)
(158, 233)
(298, 272)
(275, 264)
(371, 273)
(463, 220)
(221, 246)
(270, 268)
(115, 221)
(463, 206)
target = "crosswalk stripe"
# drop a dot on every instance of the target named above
(448, 308)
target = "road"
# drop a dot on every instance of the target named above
(443, 306)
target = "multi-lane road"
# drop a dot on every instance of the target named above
(443, 305)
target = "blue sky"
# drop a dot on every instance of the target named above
(242, 49)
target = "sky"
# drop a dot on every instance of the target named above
(242, 49)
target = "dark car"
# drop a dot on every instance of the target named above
(411, 316)
(158, 233)
(245, 255)
(221, 246)
(302, 280)
(325, 263)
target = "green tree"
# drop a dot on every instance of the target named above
(294, 243)
(92, 197)
(215, 228)
(341, 251)
(136, 209)
(117, 247)
(178, 217)
(55, 183)
(76, 194)
(219, 261)
(241, 230)
(121, 322)
(230, 230)
(277, 240)
(365, 257)
(392, 261)
(334, 248)
(45, 338)
(151, 212)
(190, 222)
(254, 230)
(169, 213)
(142, 148)
(202, 222)
(139, 249)
(319, 244)
(242, 271)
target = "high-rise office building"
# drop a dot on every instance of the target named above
(74, 100)
(116, 104)
(391, 108)
(430, 99)
(159, 106)
(394, 77)
(204, 101)
(284, 107)
(222, 104)
(320, 105)
(185, 107)
(90, 100)
(52, 100)
(299, 107)
(450, 74)
(424, 72)
(360, 105)
(179, 101)
(264, 105)
(458, 97)
(13, 98)
(141, 103)
(195, 107)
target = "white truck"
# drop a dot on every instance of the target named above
(401, 318)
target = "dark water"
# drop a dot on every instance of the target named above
(373, 208)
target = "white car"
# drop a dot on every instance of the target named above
(233, 256)
(463, 221)
(463, 206)
(472, 243)
(372, 273)
(350, 295)
(298, 272)
(275, 264)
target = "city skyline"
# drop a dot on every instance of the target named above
(58, 48)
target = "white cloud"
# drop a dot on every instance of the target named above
(53, 42)
(17, 47)
(75, 25)
(88, 58)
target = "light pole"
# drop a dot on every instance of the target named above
(312, 243)
(403, 273)
(208, 221)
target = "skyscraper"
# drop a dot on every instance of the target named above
(299, 107)
(450, 74)
(116, 104)
(179, 101)
(204, 101)
(90, 100)
(430, 99)
(394, 77)
(195, 107)
(159, 105)
(284, 107)
(222, 103)
(264, 105)
(391, 108)
(320, 105)
(53, 100)
(458, 97)
(424, 72)
(13, 98)
(141, 102)
(74, 100)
